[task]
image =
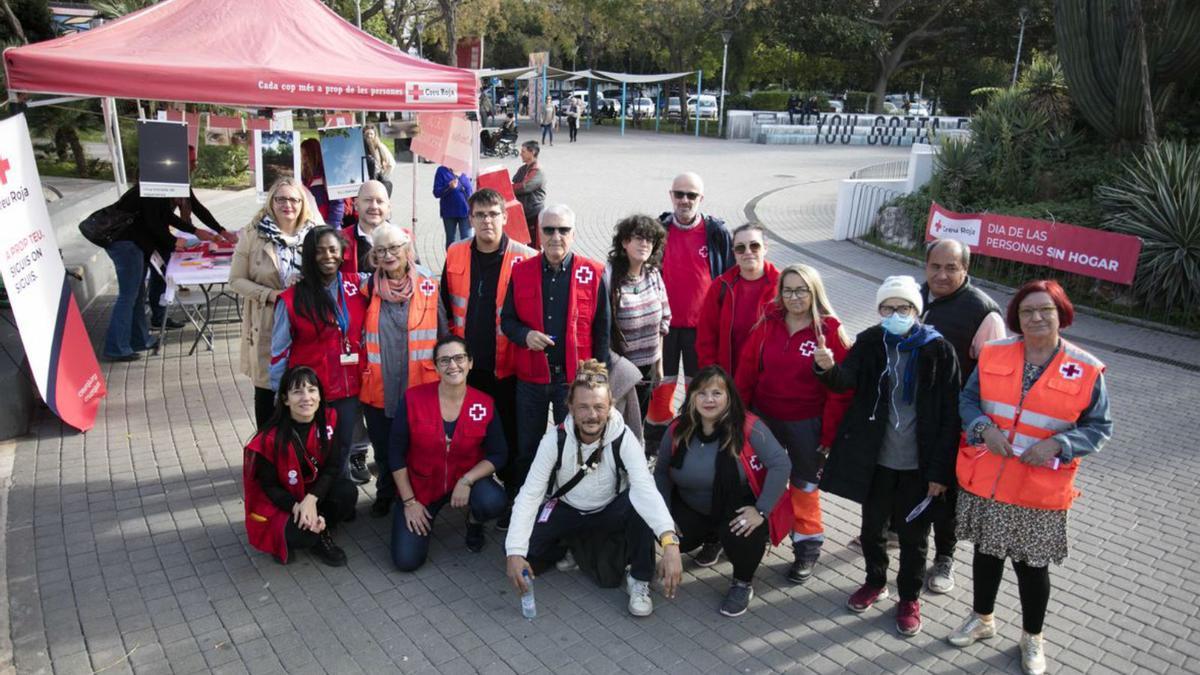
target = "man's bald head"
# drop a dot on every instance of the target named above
(687, 191)
(946, 263)
(373, 204)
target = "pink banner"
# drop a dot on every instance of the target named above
(445, 138)
(1070, 248)
(497, 178)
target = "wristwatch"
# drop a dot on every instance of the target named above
(668, 539)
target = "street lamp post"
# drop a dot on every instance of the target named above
(1024, 16)
(726, 35)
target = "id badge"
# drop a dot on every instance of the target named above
(350, 359)
(547, 509)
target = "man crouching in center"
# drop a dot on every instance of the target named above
(589, 489)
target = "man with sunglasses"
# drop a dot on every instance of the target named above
(475, 285)
(556, 314)
(698, 250)
(736, 300)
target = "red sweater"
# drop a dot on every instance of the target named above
(791, 392)
(715, 334)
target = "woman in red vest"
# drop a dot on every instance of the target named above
(776, 380)
(1034, 405)
(290, 475)
(723, 474)
(404, 320)
(319, 324)
(736, 301)
(446, 444)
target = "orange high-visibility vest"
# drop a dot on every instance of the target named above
(422, 336)
(1051, 406)
(457, 277)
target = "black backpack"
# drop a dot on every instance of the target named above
(107, 225)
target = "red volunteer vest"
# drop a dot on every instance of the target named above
(585, 273)
(319, 346)
(436, 463)
(779, 520)
(1052, 405)
(265, 522)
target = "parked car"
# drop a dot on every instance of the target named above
(673, 109)
(641, 107)
(707, 108)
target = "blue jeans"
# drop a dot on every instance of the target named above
(456, 229)
(409, 549)
(128, 330)
(348, 410)
(548, 129)
(158, 286)
(379, 429)
(532, 402)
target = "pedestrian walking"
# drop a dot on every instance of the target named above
(452, 191)
(529, 185)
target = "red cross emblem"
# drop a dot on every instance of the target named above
(1070, 371)
(584, 275)
(4, 168)
(350, 288)
(516, 259)
(755, 464)
(414, 93)
(428, 287)
(704, 252)
(477, 411)
(808, 347)
(937, 224)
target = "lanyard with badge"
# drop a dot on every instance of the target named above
(341, 312)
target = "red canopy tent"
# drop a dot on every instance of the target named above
(276, 53)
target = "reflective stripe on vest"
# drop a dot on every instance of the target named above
(1051, 406)
(457, 277)
(422, 336)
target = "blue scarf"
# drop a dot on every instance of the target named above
(918, 337)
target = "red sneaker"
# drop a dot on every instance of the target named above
(908, 617)
(866, 596)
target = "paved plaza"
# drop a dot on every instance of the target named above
(124, 549)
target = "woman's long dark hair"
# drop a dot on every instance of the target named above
(312, 302)
(729, 428)
(643, 226)
(281, 418)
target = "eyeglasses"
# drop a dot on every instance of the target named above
(287, 200)
(682, 194)
(902, 310)
(1043, 312)
(592, 378)
(456, 359)
(796, 293)
(754, 247)
(551, 231)
(486, 215)
(394, 251)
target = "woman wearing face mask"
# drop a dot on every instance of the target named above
(897, 443)
(776, 380)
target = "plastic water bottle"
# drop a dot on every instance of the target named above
(528, 604)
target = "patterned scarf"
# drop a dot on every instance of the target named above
(287, 246)
(394, 290)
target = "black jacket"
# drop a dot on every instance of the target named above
(852, 460)
(720, 242)
(957, 317)
(154, 217)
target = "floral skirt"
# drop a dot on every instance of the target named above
(1036, 537)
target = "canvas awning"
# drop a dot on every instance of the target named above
(628, 78)
(265, 53)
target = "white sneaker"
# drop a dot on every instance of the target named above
(941, 577)
(1033, 656)
(566, 564)
(974, 628)
(640, 603)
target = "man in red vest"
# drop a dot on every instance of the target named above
(556, 314)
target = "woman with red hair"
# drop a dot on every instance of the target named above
(1035, 404)
(312, 172)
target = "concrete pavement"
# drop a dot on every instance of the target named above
(126, 550)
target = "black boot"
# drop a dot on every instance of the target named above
(328, 552)
(806, 552)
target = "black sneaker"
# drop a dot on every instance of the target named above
(502, 522)
(172, 324)
(328, 552)
(737, 600)
(358, 468)
(801, 571)
(708, 554)
(475, 540)
(381, 507)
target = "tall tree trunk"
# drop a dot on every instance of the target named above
(14, 22)
(1151, 132)
(449, 12)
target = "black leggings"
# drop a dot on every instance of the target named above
(1033, 584)
(336, 507)
(695, 529)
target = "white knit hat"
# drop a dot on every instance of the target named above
(903, 287)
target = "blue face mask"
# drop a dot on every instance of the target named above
(898, 325)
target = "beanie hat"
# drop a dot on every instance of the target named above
(903, 287)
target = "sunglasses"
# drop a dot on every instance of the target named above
(680, 194)
(551, 231)
(754, 246)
